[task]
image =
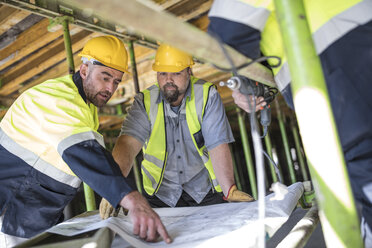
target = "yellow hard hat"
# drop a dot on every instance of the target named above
(108, 50)
(170, 59)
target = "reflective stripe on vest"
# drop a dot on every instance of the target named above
(240, 12)
(36, 162)
(155, 149)
(328, 21)
(44, 121)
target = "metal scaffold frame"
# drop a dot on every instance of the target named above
(335, 200)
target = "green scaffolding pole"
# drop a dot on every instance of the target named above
(68, 47)
(285, 142)
(300, 158)
(247, 153)
(137, 175)
(270, 153)
(90, 200)
(318, 130)
(236, 174)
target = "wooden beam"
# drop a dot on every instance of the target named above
(47, 52)
(26, 37)
(55, 72)
(165, 27)
(45, 61)
(44, 39)
(201, 23)
(203, 8)
(10, 17)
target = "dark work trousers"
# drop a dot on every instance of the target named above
(186, 200)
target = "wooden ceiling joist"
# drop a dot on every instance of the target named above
(57, 71)
(165, 27)
(83, 18)
(10, 17)
(25, 38)
(31, 47)
(42, 62)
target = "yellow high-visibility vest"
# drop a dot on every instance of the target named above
(155, 148)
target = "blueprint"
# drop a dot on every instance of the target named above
(230, 224)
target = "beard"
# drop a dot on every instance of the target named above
(171, 95)
(98, 99)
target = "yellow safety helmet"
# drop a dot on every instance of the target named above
(170, 59)
(108, 50)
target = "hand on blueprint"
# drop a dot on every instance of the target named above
(107, 210)
(146, 222)
(236, 195)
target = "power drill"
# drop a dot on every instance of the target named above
(247, 87)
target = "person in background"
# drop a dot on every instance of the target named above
(181, 125)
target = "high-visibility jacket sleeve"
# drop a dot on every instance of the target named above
(94, 165)
(238, 24)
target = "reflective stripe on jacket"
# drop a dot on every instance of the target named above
(35, 182)
(328, 21)
(155, 148)
(66, 120)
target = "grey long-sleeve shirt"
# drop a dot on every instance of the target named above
(185, 170)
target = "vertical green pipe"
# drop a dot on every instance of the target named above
(137, 175)
(247, 153)
(318, 130)
(68, 48)
(236, 174)
(90, 200)
(301, 159)
(119, 111)
(134, 66)
(285, 142)
(270, 153)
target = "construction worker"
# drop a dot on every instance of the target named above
(182, 127)
(342, 34)
(49, 144)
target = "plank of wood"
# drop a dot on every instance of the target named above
(12, 20)
(201, 23)
(54, 72)
(165, 27)
(203, 8)
(26, 37)
(31, 47)
(40, 56)
(78, 42)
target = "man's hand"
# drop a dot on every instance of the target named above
(106, 210)
(236, 195)
(146, 223)
(242, 101)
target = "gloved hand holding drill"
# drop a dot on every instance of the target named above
(235, 195)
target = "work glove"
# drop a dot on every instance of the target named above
(106, 210)
(235, 195)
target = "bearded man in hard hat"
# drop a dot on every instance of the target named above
(49, 144)
(180, 123)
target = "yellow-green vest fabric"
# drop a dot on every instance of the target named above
(67, 120)
(155, 148)
(325, 19)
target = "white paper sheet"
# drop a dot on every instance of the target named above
(229, 224)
